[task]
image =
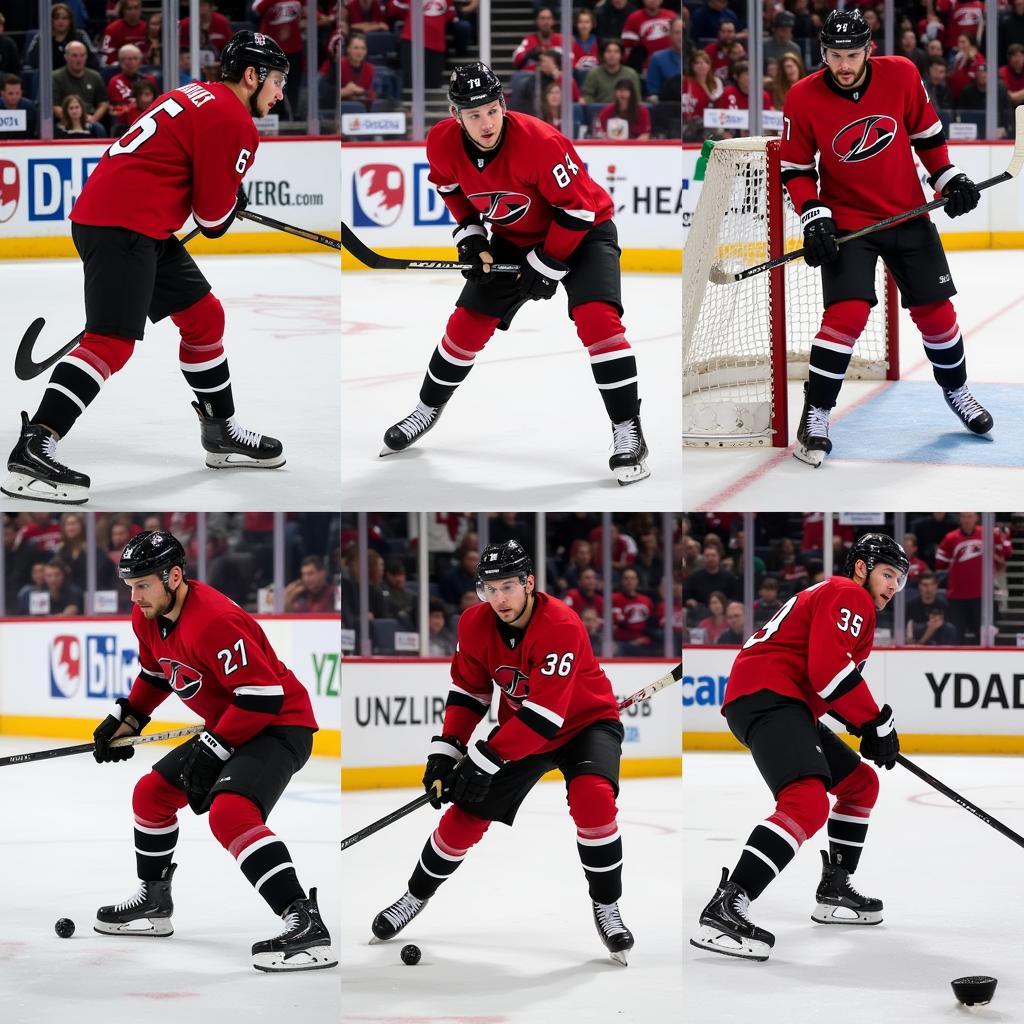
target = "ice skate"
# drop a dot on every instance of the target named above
(36, 475)
(147, 913)
(725, 927)
(617, 938)
(391, 920)
(812, 443)
(839, 902)
(304, 945)
(231, 446)
(974, 416)
(629, 458)
(408, 431)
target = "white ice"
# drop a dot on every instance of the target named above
(528, 422)
(950, 885)
(989, 303)
(139, 440)
(510, 938)
(66, 848)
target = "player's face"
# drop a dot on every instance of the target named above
(848, 67)
(272, 92)
(884, 583)
(152, 595)
(483, 124)
(509, 599)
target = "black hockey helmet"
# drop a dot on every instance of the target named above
(472, 85)
(844, 30)
(875, 548)
(502, 562)
(248, 49)
(152, 551)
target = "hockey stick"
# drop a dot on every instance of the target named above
(718, 276)
(25, 367)
(376, 261)
(289, 229)
(641, 695)
(87, 748)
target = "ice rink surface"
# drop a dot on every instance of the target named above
(139, 441)
(527, 423)
(510, 938)
(66, 848)
(950, 885)
(895, 440)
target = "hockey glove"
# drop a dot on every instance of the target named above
(123, 714)
(470, 780)
(879, 741)
(241, 199)
(819, 235)
(474, 247)
(960, 193)
(202, 767)
(539, 278)
(445, 754)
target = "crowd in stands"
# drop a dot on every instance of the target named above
(943, 595)
(108, 63)
(945, 39)
(46, 559)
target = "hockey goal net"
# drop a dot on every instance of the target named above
(743, 341)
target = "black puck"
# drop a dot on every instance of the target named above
(410, 954)
(65, 928)
(974, 990)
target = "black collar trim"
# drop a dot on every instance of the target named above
(853, 95)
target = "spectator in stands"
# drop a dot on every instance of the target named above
(436, 18)
(551, 105)
(544, 39)
(736, 621)
(705, 19)
(719, 49)
(581, 558)
(700, 585)
(736, 95)
(935, 84)
(701, 87)
(121, 88)
(357, 72)
(623, 548)
(936, 631)
(62, 21)
(399, 602)
(120, 533)
(586, 594)
(791, 70)
(667, 63)
(781, 41)
(908, 48)
(73, 123)
(930, 530)
(78, 80)
(22, 125)
(974, 97)
(804, 28)
(42, 528)
(920, 607)
(18, 559)
(311, 592)
(511, 526)
(1011, 28)
(633, 622)
(716, 623)
(646, 32)
(65, 597)
(73, 553)
(36, 585)
(918, 566)
(585, 44)
(547, 72)
(144, 95)
(960, 553)
(229, 571)
(461, 577)
(214, 33)
(153, 47)
(768, 601)
(963, 66)
(611, 18)
(594, 627)
(626, 117)
(650, 561)
(441, 639)
(1011, 74)
(599, 85)
(789, 567)
(10, 59)
(366, 16)
(127, 28)
(960, 16)
(874, 24)
(285, 22)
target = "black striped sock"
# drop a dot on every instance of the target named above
(437, 862)
(154, 847)
(846, 835)
(828, 364)
(949, 362)
(769, 849)
(72, 386)
(268, 866)
(601, 857)
(445, 372)
(616, 377)
(211, 382)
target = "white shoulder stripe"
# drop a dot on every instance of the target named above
(547, 713)
(474, 696)
(928, 132)
(260, 691)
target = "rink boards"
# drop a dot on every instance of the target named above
(58, 677)
(945, 699)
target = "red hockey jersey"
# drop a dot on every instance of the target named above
(532, 189)
(813, 649)
(865, 141)
(218, 660)
(186, 154)
(551, 684)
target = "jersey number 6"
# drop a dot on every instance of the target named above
(145, 127)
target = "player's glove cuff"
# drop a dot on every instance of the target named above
(943, 176)
(814, 211)
(468, 230)
(212, 744)
(547, 266)
(447, 746)
(485, 758)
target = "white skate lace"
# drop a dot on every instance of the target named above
(817, 421)
(609, 918)
(740, 905)
(291, 924)
(626, 438)
(401, 913)
(50, 452)
(239, 433)
(136, 901)
(965, 403)
(417, 421)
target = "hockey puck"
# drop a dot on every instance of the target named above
(65, 928)
(410, 954)
(975, 990)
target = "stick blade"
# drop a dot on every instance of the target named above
(1017, 160)
(25, 367)
(716, 275)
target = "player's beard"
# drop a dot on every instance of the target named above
(170, 596)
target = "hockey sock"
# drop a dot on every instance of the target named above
(841, 326)
(239, 827)
(611, 359)
(201, 356)
(76, 380)
(155, 803)
(443, 852)
(464, 336)
(592, 806)
(800, 810)
(943, 343)
(848, 819)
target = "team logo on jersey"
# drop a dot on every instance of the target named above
(10, 189)
(864, 138)
(378, 192)
(65, 666)
(501, 207)
(184, 679)
(512, 681)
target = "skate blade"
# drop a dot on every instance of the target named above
(29, 488)
(620, 957)
(145, 928)
(276, 962)
(238, 461)
(626, 475)
(812, 458)
(385, 451)
(824, 913)
(717, 941)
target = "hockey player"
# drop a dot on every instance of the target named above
(187, 154)
(259, 725)
(520, 178)
(865, 118)
(557, 711)
(806, 661)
